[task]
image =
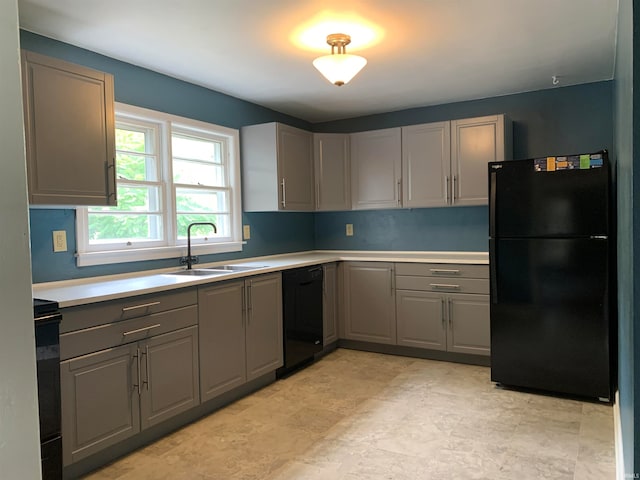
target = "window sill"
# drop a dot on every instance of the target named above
(86, 259)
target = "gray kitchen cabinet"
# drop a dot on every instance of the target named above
(126, 365)
(240, 332)
(70, 132)
(332, 171)
(474, 143)
(369, 302)
(330, 303)
(221, 319)
(376, 169)
(443, 307)
(277, 168)
(264, 334)
(421, 319)
(426, 165)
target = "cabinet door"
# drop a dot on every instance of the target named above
(99, 401)
(330, 304)
(295, 167)
(421, 319)
(264, 325)
(426, 165)
(70, 132)
(475, 142)
(469, 326)
(169, 375)
(333, 171)
(376, 159)
(369, 299)
(221, 310)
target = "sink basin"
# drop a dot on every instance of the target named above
(236, 268)
(199, 272)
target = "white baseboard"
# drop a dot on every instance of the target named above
(617, 430)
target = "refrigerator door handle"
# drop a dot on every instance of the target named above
(493, 270)
(492, 203)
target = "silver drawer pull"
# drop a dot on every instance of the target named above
(445, 285)
(138, 330)
(440, 270)
(144, 305)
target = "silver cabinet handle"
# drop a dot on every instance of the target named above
(444, 318)
(146, 365)
(317, 195)
(444, 285)
(144, 305)
(399, 191)
(244, 299)
(453, 189)
(109, 166)
(444, 271)
(446, 190)
(284, 193)
(249, 302)
(449, 311)
(143, 329)
(392, 280)
(137, 357)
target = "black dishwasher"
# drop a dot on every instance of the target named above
(302, 312)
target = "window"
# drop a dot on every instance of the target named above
(170, 172)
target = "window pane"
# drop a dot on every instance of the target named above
(134, 198)
(184, 220)
(195, 149)
(136, 167)
(134, 140)
(104, 228)
(196, 173)
(200, 201)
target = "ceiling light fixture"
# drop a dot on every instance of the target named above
(339, 67)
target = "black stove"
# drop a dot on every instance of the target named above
(47, 327)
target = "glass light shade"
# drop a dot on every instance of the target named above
(339, 68)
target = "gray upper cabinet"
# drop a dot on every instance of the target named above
(376, 169)
(264, 325)
(474, 143)
(332, 171)
(221, 315)
(70, 132)
(330, 303)
(369, 302)
(426, 165)
(277, 168)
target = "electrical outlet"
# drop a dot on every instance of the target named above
(59, 241)
(246, 232)
(349, 230)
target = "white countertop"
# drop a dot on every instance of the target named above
(69, 293)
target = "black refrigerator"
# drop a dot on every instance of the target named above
(552, 274)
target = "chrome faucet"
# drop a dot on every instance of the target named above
(189, 260)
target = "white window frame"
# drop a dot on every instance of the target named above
(171, 246)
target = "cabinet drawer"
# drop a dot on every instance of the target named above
(91, 315)
(100, 337)
(442, 284)
(443, 270)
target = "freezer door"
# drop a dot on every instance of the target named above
(550, 315)
(527, 203)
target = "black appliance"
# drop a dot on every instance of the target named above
(302, 316)
(47, 324)
(552, 274)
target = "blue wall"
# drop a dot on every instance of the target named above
(557, 121)
(548, 122)
(627, 112)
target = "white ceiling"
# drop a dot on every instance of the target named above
(431, 51)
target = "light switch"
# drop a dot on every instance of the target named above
(349, 230)
(59, 241)
(246, 232)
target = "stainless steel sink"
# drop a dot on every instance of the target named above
(200, 272)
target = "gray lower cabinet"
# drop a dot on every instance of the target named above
(469, 324)
(421, 319)
(330, 303)
(369, 302)
(115, 393)
(240, 332)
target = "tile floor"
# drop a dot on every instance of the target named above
(358, 415)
